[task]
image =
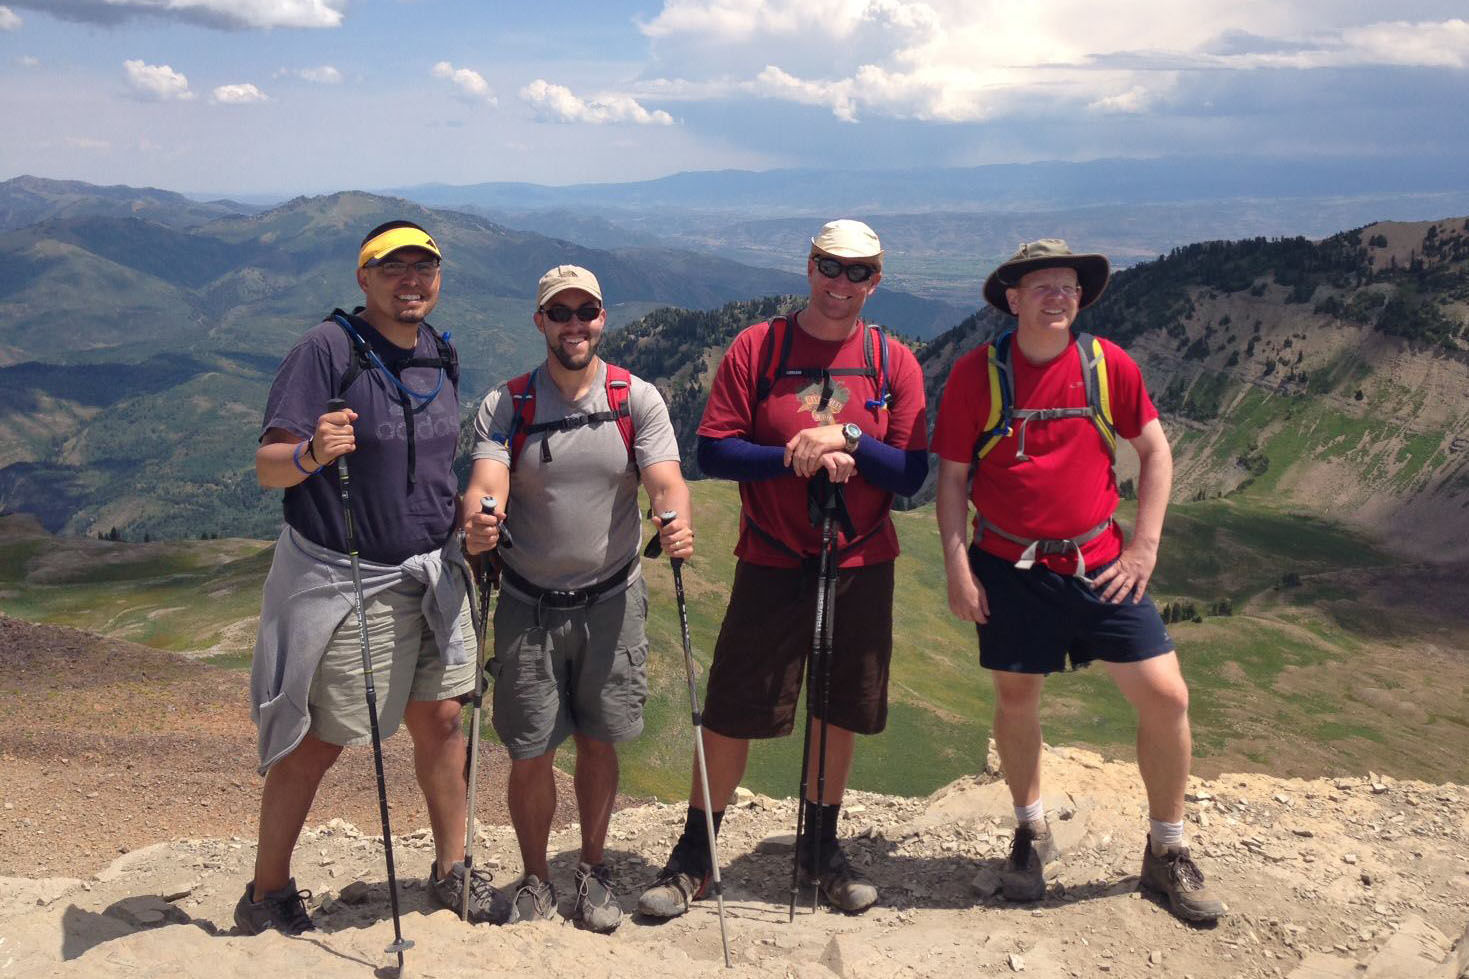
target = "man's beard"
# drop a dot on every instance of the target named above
(575, 363)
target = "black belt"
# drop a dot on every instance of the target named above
(568, 598)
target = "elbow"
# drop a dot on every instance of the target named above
(915, 471)
(708, 454)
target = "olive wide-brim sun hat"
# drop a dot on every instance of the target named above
(1092, 271)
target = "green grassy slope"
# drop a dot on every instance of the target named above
(1363, 664)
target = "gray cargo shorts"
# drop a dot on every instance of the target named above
(563, 671)
(405, 666)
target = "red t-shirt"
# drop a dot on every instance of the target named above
(778, 505)
(1067, 486)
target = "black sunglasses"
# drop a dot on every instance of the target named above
(856, 272)
(560, 313)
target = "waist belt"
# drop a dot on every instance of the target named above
(1039, 548)
(568, 598)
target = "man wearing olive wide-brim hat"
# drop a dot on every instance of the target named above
(1048, 577)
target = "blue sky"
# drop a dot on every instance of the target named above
(304, 96)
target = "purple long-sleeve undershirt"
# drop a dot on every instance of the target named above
(884, 466)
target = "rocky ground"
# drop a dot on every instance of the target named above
(108, 747)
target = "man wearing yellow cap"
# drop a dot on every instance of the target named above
(399, 379)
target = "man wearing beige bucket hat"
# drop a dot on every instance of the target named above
(1049, 578)
(801, 404)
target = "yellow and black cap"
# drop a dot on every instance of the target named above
(387, 238)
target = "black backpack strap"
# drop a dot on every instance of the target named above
(361, 352)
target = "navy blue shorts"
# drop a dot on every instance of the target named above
(1039, 619)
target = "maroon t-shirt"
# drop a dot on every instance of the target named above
(778, 505)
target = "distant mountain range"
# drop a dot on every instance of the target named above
(139, 331)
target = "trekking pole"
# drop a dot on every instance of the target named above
(819, 632)
(827, 581)
(400, 944)
(654, 546)
(486, 586)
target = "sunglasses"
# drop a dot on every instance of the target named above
(427, 269)
(855, 272)
(561, 313)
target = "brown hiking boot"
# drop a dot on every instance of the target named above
(1023, 878)
(1175, 875)
(679, 884)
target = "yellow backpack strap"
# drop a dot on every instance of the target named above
(997, 422)
(1098, 394)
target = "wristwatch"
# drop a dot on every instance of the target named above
(853, 435)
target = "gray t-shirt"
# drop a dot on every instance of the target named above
(575, 519)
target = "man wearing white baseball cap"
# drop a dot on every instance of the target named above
(799, 405)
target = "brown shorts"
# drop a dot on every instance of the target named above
(760, 658)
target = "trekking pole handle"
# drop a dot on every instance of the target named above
(666, 516)
(487, 504)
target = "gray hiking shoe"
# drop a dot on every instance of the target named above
(1023, 878)
(841, 884)
(535, 899)
(681, 882)
(596, 906)
(283, 910)
(486, 904)
(1174, 875)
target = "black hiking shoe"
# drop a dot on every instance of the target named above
(681, 882)
(1023, 878)
(486, 904)
(841, 884)
(1174, 875)
(283, 910)
(596, 906)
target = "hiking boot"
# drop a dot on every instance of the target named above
(1175, 875)
(1023, 878)
(535, 899)
(841, 884)
(486, 904)
(284, 910)
(681, 882)
(596, 906)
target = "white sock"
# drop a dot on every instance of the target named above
(1165, 834)
(1033, 813)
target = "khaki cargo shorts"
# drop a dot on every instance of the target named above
(405, 666)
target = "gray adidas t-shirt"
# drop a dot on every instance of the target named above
(575, 519)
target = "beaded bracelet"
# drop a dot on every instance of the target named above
(296, 458)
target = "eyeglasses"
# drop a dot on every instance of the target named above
(393, 269)
(855, 272)
(561, 313)
(1043, 289)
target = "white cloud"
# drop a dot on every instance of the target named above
(558, 103)
(971, 60)
(243, 93)
(321, 75)
(157, 82)
(87, 143)
(469, 81)
(224, 14)
(1132, 101)
(28, 61)
(9, 20)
